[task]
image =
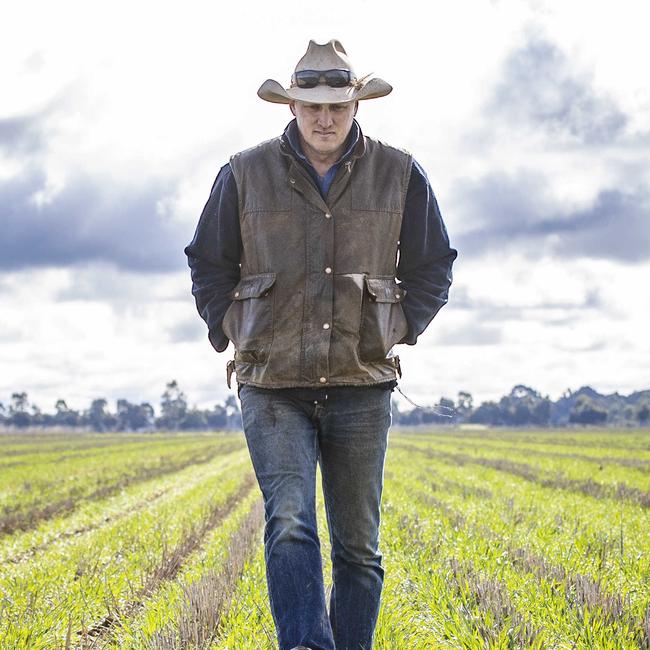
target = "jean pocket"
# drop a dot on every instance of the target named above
(248, 322)
(383, 322)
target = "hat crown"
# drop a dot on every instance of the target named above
(330, 56)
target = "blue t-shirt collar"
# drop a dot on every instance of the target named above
(292, 136)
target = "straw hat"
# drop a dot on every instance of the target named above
(331, 56)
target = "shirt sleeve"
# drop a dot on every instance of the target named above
(425, 256)
(213, 255)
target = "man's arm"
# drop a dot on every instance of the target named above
(425, 258)
(213, 255)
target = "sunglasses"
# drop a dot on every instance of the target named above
(333, 78)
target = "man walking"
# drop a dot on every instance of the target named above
(295, 260)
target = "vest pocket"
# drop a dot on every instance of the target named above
(248, 322)
(382, 318)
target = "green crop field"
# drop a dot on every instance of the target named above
(491, 539)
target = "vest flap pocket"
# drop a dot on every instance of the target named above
(248, 321)
(253, 286)
(383, 322)
(384, 289)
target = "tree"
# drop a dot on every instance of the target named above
(147, 414)
(98, 418)
(18, 410)
(173, 407)
(65, 416)
(217, 418)
(233, 413)
(487, 413)
(523, 406)
(587, 411)
(134, 417)
(465, 405)
(194, 419)
(443, 413)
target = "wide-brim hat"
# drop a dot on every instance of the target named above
(331, 56)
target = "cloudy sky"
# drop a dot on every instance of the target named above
(532, 120)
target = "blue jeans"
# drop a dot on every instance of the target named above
(345, 430)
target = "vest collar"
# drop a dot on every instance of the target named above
(299, 167)
(290, 144)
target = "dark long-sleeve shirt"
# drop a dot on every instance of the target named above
(423, 269)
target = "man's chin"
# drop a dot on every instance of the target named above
(325, 147)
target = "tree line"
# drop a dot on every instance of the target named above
(175, 414)
(523, 406)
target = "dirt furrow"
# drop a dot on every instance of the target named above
(22, 520)
(29, 553)
(581, 591)
(602, 461)
(621, 491)
(197, 624)
(170, 564)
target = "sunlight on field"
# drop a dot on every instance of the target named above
(491, 539)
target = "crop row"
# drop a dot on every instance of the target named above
(630, 443)
(198, 620)
(583, 533)
(497, 543)
(39, 493)
(43, 449)
(77, 587)
(468, 584)
(91, 515)
(34, 442)
(479, 557)
(579, 479)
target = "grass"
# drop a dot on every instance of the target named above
(491, 539)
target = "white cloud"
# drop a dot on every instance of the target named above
(562, 326)
(128, 96)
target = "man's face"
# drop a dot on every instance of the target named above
(324, 127)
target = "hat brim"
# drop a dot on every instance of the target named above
(272, 91)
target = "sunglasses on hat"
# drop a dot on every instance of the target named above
(311, 78)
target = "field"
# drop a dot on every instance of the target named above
(491, 539)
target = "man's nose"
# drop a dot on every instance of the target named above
(324, 117)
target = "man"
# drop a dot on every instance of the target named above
(295, 260)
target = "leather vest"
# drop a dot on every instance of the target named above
(317, 304)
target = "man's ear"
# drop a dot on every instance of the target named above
(356, 108)
(292, 106)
